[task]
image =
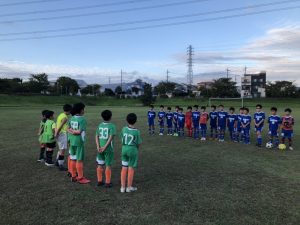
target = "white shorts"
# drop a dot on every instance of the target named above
(62, 141)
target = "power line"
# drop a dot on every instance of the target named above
(28, 3)
(104, 12)
(74, 8)
(145, 21)
(153, 26)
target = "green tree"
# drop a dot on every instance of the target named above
(67, 85)
(118, 90)
(147, 98)
(38, 83)
(224, 87)
(93, 89)
(135, 90)
(163, 88)
(281, 89)
(108, 92)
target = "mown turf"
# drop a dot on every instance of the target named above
(180, 181)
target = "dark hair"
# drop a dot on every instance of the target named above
(203, 107)
(288, 110)
(169, 108)
(78, 107)
(49, 114)
(131, 118)
(106, 115)
(213, 106)
(232, 109)
(161, 106)
(180, 109)
(151, 106)
(177, 107)
(221, 105)
(67, 108)
(247, 109)
(196, 106)
(44, 112)
(189, 107)
(259, 105)
(242, 108)
(274, 109)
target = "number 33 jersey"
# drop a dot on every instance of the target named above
(131, 138)
(103, 132)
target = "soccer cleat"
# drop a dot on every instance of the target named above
(99, 184)
(73, 179)
(83, 180)
(109, 185)
(49, 164)
(41, 160)
(291, 148)
(131, 189)
(203, 139)
(122, 190)
(161, 134)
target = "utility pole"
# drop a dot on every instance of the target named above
(109, 80)
(245, 69)
(122, 80)
(168, 76)
(190, 53)
(227, 72)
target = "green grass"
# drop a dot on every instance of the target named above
(180, 181)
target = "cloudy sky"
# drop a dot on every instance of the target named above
(95, 40)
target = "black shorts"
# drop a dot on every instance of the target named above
(51, 145)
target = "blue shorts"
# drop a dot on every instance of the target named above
(273, 133)
(196, 125)
(203, 126)
(151, 122)
(287, 133)
(180, 125)
(259, 129)
(161, 123)
(222, 127)
(232, 129)
(170, 125)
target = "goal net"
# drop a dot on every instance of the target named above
(227, 102)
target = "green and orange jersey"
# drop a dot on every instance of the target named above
(103, 132)
(131, 138)
(77, 123)
(48, 134)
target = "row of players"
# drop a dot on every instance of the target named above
(70, 134)
(238, 125)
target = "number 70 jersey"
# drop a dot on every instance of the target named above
(131, 137)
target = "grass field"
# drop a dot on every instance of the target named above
(180, 181)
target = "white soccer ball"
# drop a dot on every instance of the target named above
(269, 145)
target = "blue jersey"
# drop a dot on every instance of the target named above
(274, 122)
(169, 116)
(181, 119)
(175, 116)
(161, 115)
(151, 115)
(232, 118)
(195, 116)
(246, 119)
(258, 117)
(222, 116)
(213, 117)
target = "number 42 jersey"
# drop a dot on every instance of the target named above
(103, 132)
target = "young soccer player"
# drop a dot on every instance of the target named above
(203, 123)
(246, 125)
(49, 137)
(213, 117)
(131, 141)
(232, 124)
(274, 124)
(181, 122)
(169, 117)
(239, 133)
(105, 134)
(40, 134)
(61, 135)
(259, 119)
(175, 121)
(77, 137)
(161, 119)
(188, 121)
(287, 127)
(196, 118)
(151, 118)
(222, 121)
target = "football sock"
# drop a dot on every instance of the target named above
(69, 164)
(42, 153)
(79, 168)
(49, 155)
(61, 160)
(99, 173)
(290, 142)
(123, 176)
(108, 175)
(73, 168)
(130, 176)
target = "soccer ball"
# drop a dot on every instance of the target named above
(269, 145)
(282, 147)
